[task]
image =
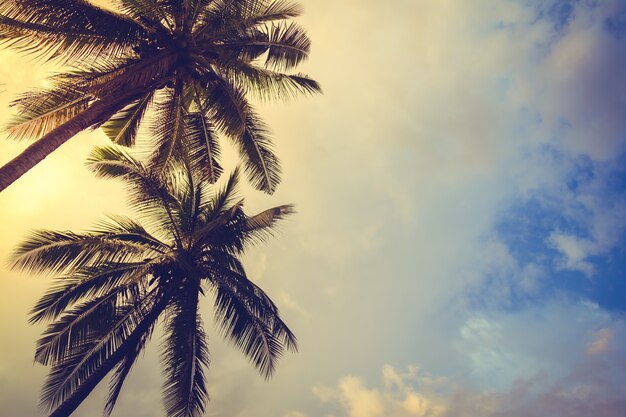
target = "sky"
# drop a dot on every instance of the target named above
(459, 243)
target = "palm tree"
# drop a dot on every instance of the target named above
(116, 282)
(194, 61)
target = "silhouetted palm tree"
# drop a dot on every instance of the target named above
(196, 59)
(116, 282)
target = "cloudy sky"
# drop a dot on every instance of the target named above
(459, 243)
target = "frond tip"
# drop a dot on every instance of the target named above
(262, 166)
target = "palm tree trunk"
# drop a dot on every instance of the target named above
(35, 153)
(98, 112)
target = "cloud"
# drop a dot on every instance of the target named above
(574, 251)
(397, 397)
(587, 391)
(602, 342)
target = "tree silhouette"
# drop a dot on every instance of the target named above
(116, 282)
(195, 61)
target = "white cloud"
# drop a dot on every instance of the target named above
(574, 251)
(600, 214)
(396, 398)
(295, 414)
(292, 305)
(590, 389)
(602, 341)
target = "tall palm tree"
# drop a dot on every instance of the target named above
(116, 282)
(195, 61)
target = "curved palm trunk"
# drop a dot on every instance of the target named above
(73, 401)
(98, 112)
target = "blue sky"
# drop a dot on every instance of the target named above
(459, 247)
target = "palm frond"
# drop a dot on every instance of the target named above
(169, 129)
(115, 162)
(269, 85)
(148, 13)
(232, 114)
(226, 230)
(264, 222)
(260, 303)
(42, 111)
(223, 200)
(223, 260)
(227, 107)
(126, 229)
(111, 77)
(288, 45)
(150, 193)
(123, 126)
(82, 325)
(198, 14)
(146, 190)
(261, 164)
(88, 283)
(250, 322)
(227, 17)
(74, 30)
(108, 344)
(123, 369)
(204, 150)
(268, 11)
(65, 252)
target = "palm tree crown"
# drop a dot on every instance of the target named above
(194, 61)
(115, 283)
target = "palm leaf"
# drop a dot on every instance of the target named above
(226, 230)
(71, 397)
(82, 325)
(204, 151)
(226, 16)
(66, 251)
(265, 221)
(222, 201)
(123, 369)
(126, 323)
(198, 14)
(258, 301)
(225, 104)
(269, 85)
(287, 44)
(75, 30)
(148, 12)
(169, 129)
(42, 111)
(261, 164)
(91, 282)
(268, 11)
(115, 162)
(125, 228)
(130, 74)
(231, 113)
(146, 189)
(123, 126)
(246, 321)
